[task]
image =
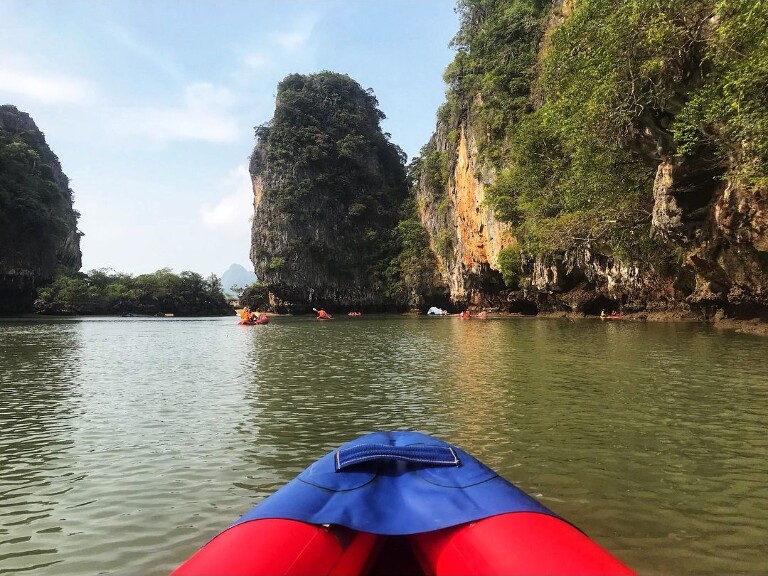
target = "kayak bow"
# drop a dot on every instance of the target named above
(400, 503)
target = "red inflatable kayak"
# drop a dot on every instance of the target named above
(400, 503)
(262, 319)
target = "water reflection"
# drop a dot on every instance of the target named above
(320, 384)
(127, 443)
(40, 399)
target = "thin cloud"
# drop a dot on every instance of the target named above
(144, 50)
(295, 39)
(205, 114)
(258, 61)
(234, 210)
(291, 41)
(45, 86)
(287, 42)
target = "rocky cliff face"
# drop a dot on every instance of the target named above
(38, 225)
(464, 232)
(716, 226)
(578, 280)
(327, 187)
(722, 229)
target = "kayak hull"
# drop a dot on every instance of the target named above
(279, 546)
(515, 543)
(400, 504)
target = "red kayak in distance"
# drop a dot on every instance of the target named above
(260, 320)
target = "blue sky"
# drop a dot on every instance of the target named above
(150, 105)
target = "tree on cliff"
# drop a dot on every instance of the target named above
(328, 186)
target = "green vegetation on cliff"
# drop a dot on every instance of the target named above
(575, 110)
(38, 225)
(161, 292)
(28, 193)
(332, 186)
(730, 108)
(493, 70)
(36, 214)
(412, 272)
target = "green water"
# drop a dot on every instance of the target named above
(126, 443)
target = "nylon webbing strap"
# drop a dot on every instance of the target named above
(421, 454)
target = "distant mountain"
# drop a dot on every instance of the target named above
(236, 275)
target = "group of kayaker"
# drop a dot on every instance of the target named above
(249, 317)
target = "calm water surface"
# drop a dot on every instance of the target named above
(125, 444)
